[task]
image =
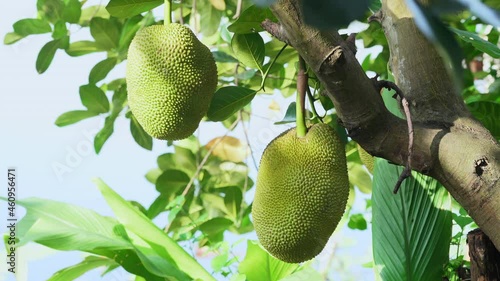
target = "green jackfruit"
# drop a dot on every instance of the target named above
(171, 78)
(302, 191)
(366, 158)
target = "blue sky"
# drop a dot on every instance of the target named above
(29, 105)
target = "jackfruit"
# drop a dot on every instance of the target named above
(366, 158)
(171, 78)
(302, 191)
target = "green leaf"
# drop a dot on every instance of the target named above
(140, 136)
(158, 206)
(478, 42)
(74, 116)
(308, 273)
(46, 55)
(412, 229)
(96, 11)
(72, 11)
(130, 28)
(27, 27)
(60, 30)
(250, 20)
(488, 113)
(50, 9)
(223, 57)
(228, 100)
(233, 199)
(94, 98)
(129, 8)
(101, 70)
(209, 18)
(249, 49)
(11, 38)
(170, 182)
(140, 225)
(183, 159)
(81, 48)
(215, 225)
(359, 177)
(258, 265)
(333, 13)
(103, 135)
(105, 33)
(77, 270)
(357, 221)
(290, 115)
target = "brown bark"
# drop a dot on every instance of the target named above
(449, 144)
(484, 258)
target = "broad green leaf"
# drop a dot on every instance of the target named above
(411, 229)
(50, 9)
(81, 48)
(228, 100)
(27, 27)
(74, 116)
(183, 159)
(478, 42)
(249, 49)
(357, 221)
(209, 18)
(250, 20)
(215, 225)
(72, 11)
(11, 38)
(258, 265)
(60, 30)
(233, 199)
(140, 225)
(336, 14)
(46, 55)
(308, 273)
(94, 98)
(170, 182)
(105, 33)
(220, 56)
(489, 114)
(77, 270)
(290, 115)
(131, 26)
(129, 8)
(91, 12)
(101, 70)
(158, 206)
(103, 135)
(140, 136)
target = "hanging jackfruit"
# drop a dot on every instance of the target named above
(366, 158)
(302, 191)
(171, 78)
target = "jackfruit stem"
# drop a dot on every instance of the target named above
(167, 12)
(301, 98)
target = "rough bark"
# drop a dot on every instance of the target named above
(484, 258)
(449, 144)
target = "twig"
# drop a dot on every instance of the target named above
(245, 132)
(406, 107)
(239, 5)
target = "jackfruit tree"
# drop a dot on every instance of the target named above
(383, 127)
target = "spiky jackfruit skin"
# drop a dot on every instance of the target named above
(171, 78)
(301, 195)
(367, 159)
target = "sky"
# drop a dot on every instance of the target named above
(35, 147)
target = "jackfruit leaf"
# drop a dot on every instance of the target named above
(92, 12)
(229, 148)
(248, 74)
(228, 100)
(488, 113)
(46, 55)
(336, 14)
(129, 8)
(305, 273)
(72, 11)
(250, 20)
(81, 48)
(223, 57)
(140, 136)
(27, 27)
(74, 116)
(101, 70)
(259, 265)
(290, 115)
(94, 99)
(105, 32)
(141, 226)
(357, 221)
(215, 226)
(103, 135)
(11, 38)
(218, 4)
(177, 161)
(233, 199)
(77, 270)
(171, 181)
(412, 229)
(249, 49)
(130, 28)
(478, 42)
(158, 206)
(60, 30)
(50, 9)
(359, 177)
(209, 18)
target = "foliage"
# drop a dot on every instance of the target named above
(205, 190)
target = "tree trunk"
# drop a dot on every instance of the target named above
(484, 258)
(449, 144)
